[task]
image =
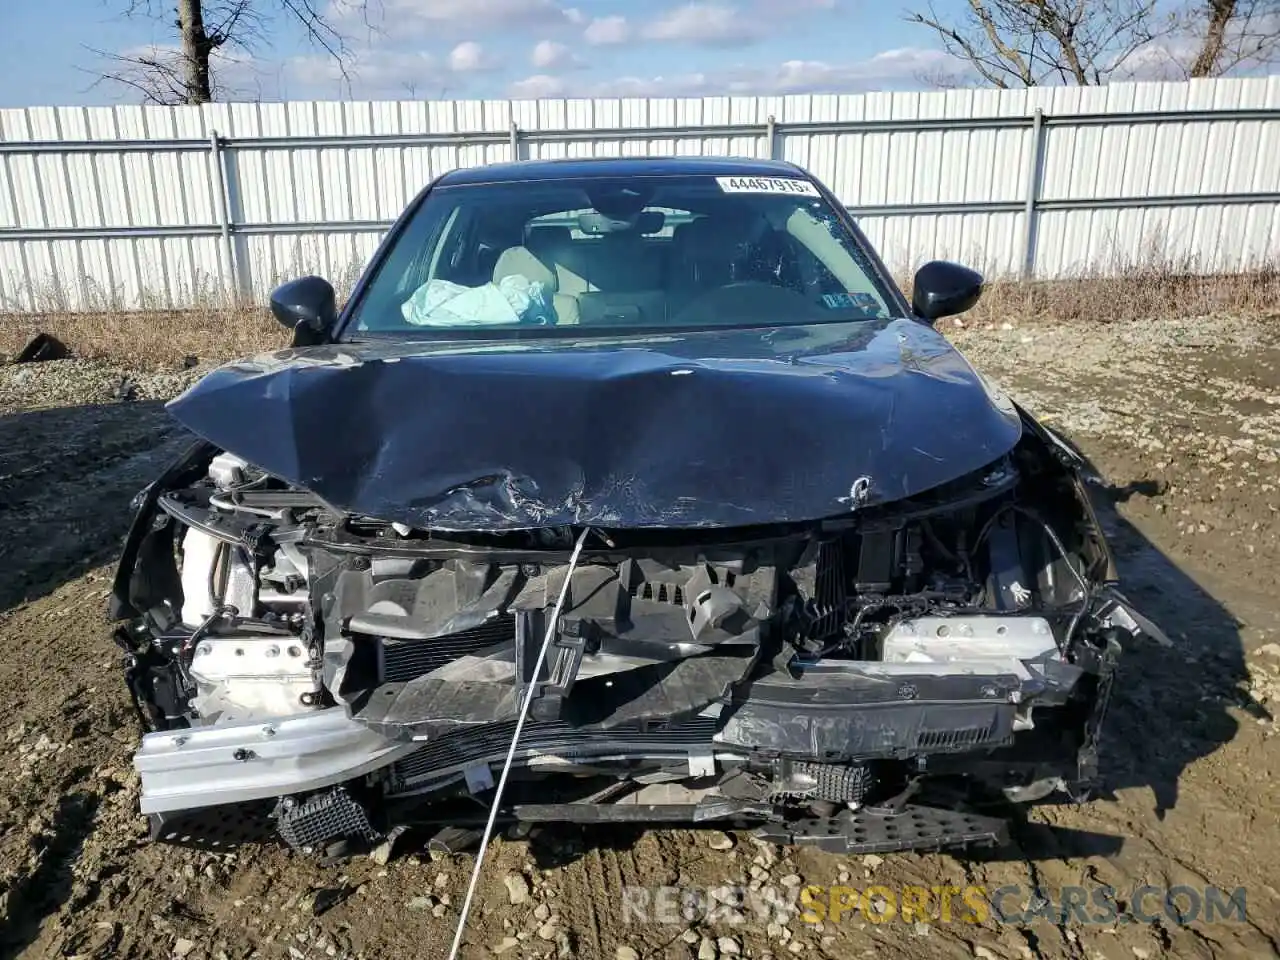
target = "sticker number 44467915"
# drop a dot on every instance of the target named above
(792, 185)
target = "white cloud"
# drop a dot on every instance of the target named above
(903, 60)
(680, 85)
(714, 24)
(537, 87)
(720, 23)
(892, 69)
(793, 6)
(803, 76)
(904, 63)
(379, 73)
(550, 55)
(469, 57)
(419, 16)
(393, 73)
(241, 77)
(384, 73)
(1164, 59)
(604, 31)
(314, 70)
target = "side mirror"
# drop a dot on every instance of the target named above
(308, 307)
(943, 289)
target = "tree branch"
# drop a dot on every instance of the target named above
(205, 26)
(1029, 42)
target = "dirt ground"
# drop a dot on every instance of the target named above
(1183, 419)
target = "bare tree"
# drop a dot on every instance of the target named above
(1232, 34)
(187, 71)
(1025, 43)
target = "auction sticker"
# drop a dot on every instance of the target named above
(792, 185)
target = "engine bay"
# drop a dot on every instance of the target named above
(298, 660)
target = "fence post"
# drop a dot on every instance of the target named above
(515, 141)
(771, 138)
(1031, 214)
(222, 200)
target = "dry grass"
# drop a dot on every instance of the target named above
(1137, 294)
(161, 338)
(151, 338)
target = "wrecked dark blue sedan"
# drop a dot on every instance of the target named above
(648, 465)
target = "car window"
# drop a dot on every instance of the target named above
(639, 252)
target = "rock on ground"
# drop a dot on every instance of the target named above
(1181, 417)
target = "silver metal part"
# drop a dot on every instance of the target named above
(1119, 612)
(250, 677)
(1037, 790)
(214, 573)
(239, 585)
(288, 561)
(662, 793)
(702, 763)
(199, 552)
(227, 470)
(231, 763)
(282, 584)
(968, 639)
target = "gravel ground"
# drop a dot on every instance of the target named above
(65, 383)
(1182, 417)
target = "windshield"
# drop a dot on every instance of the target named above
(620, 253)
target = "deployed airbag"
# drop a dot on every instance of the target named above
(513, 299)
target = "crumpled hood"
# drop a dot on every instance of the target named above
(711, 428)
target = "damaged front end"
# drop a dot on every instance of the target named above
(862, 682)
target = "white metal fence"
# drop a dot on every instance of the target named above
(132, 206)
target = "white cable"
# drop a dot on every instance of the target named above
(511, 751)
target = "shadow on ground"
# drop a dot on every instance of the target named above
(67, 475)
(1170, 704)
(43, 890)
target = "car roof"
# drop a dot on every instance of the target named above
(620, 167)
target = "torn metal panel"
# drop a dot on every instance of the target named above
(522, 434)
(427, 708)
(638, 642)
(1117, 610)
(844, 711)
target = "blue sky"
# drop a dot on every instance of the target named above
(496, 48)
